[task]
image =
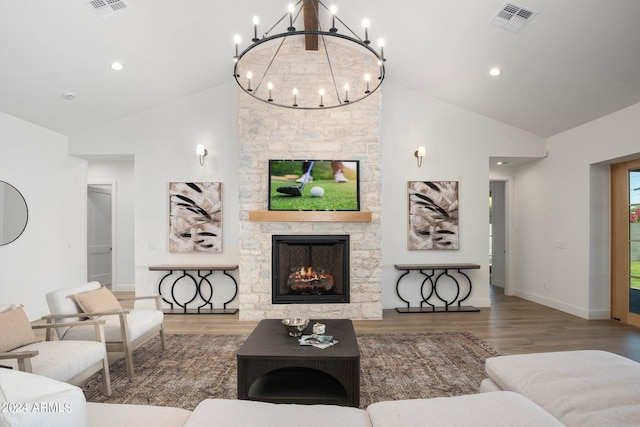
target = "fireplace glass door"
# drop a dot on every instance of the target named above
(310, 269)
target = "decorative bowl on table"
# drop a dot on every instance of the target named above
(295, 325)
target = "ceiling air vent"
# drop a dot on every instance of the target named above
(512, 17)
(108, 8)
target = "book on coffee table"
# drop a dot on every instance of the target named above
(319, 341)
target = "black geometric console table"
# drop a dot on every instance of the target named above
(199, 281)
(433, 291)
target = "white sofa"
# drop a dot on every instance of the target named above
(580, 388)
(586, 388)
(33, 400)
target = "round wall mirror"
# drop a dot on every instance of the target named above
(13, 213)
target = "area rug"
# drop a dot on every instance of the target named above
(393, 366)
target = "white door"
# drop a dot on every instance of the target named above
(99, 234)
(625, 242)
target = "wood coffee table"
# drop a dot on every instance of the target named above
(274, 367)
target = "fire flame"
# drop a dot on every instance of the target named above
(308, 274)
(306, 278)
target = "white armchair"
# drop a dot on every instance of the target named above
(68, 361)
(124, 329)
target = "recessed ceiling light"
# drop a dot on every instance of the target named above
(495, 71)
(116, 66)
(69, 96)
(501, 163)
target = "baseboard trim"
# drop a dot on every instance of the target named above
(123, 288)
(567, 308)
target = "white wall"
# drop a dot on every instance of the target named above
(459, 144)
(562, 205)
(120, 174)
(163, 142)
(51, 252)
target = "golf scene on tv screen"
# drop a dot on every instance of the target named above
(314, 185)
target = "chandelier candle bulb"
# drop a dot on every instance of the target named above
(367, 78)
(249, 77)
(270, 86)
(256, 21)
(333, 9)
(365, 24)
(321, 92)
(236, 40)
(295, 97)
(291, 9)
(346, 92)
(381, 46)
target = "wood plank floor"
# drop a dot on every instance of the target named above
(512, 324)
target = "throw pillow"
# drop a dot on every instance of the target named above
(96, 301)
(15, 330)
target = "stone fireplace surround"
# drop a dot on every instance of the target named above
(269, 132)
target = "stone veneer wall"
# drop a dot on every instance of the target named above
(270, 132)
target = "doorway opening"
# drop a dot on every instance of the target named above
(497, 234)
(100, 234)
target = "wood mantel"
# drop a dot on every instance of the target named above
(309, 216)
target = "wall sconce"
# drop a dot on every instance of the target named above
(419, 153)
(201, 152)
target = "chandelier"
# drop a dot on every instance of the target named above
(299, 64)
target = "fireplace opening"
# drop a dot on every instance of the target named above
(308, 269)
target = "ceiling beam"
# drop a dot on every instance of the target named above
(310, 10)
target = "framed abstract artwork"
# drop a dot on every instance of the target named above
(195, 217)
(433, 215)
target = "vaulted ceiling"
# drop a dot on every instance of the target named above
(573, 61)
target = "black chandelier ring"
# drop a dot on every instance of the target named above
(370, 63)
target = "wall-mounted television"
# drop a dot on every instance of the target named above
(314, 185)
